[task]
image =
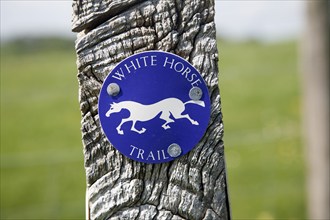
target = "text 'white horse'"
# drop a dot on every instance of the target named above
(140, 112)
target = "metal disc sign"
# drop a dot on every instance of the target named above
(154, 107)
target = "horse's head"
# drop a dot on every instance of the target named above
(114, 107)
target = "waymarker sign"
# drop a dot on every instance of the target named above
(154, 107)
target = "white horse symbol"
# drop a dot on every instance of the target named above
(140, 112)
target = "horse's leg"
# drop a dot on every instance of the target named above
(166, 116)
(177, 115)
(121, 123)
(138, 131)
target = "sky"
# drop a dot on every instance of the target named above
(268, 20)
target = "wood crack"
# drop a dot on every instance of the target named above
(91, 19)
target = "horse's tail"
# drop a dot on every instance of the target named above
(196, 102)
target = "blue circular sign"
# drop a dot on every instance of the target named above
(154, 107)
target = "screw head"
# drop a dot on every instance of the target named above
(174, 150)
(113, 89)
(195, 93)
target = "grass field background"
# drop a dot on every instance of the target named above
(42, 174)
(261, 105)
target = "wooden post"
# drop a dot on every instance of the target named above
(191, 187)
(315, 63)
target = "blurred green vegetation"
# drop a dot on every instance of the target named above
(42, 174)
(260, 91)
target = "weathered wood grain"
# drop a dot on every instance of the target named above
(191, 187)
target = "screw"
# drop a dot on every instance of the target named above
(195, 93)
(113, 89)
(174, 150)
